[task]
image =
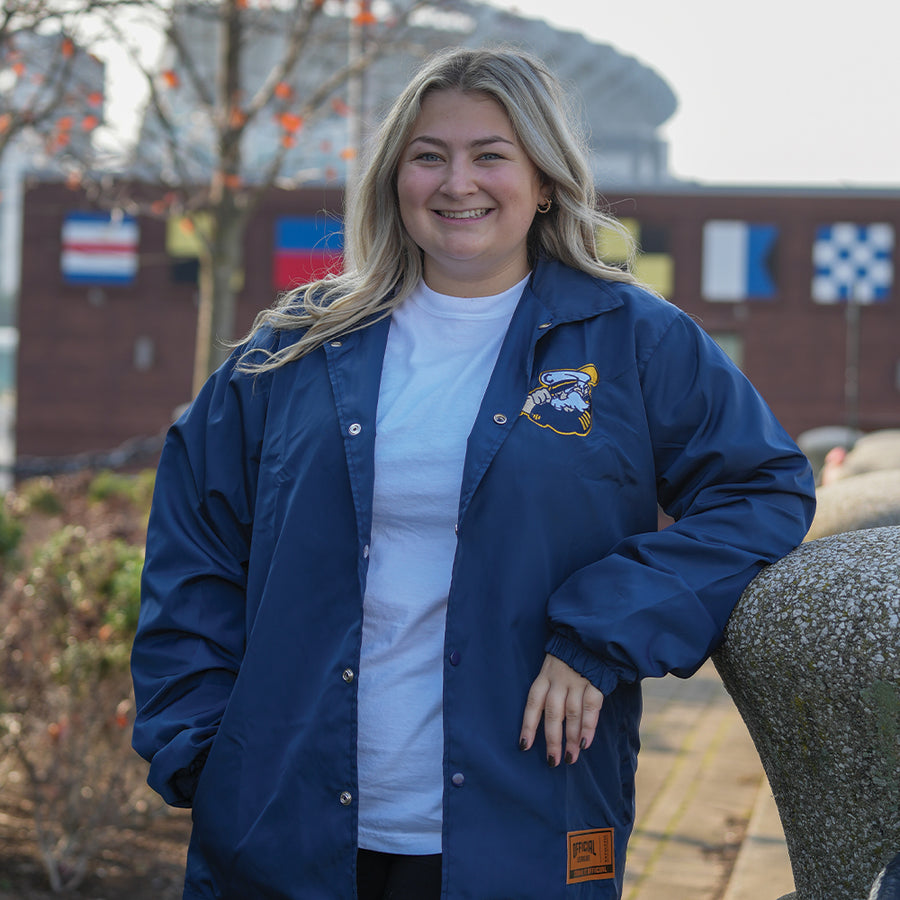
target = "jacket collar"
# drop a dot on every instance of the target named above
(569, 295)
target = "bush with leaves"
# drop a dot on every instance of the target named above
(40, 495)
(66, 707)
(136, 489)
(10, 535)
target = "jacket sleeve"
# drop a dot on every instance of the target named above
(191, 630)
(742, 494)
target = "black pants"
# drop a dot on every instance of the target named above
(389, 876)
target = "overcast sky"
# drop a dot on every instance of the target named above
(772, 92)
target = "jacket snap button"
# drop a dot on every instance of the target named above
(366, 552)
(500, 419)
(346, 798)
(454, 658)
(337, 343)
(458, 779)
(348, 675)
(355, 428)
(545, 325)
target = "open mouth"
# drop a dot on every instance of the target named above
(462, 214)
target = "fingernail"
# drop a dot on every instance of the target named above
(523, 744)
(583, 743)
(551, 761)
(569, 759)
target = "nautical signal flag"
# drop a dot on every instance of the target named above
(183, 245)
(99, 248)
(738, 261)
(306, 248)
(653, 264)
(185, 239)
(853, 262)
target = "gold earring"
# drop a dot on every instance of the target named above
(544, 206)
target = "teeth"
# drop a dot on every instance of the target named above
(463, 214)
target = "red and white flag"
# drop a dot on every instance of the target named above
(99, 248)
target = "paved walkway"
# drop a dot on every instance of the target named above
(707, 827)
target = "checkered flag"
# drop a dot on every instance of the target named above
(853, 262)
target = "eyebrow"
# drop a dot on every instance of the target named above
(478, 142)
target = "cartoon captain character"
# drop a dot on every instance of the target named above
(563, 401)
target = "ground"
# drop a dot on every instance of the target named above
(139, 865)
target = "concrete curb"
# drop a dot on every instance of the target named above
(763, 869)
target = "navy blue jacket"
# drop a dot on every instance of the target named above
(604, 401)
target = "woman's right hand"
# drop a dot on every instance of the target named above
(561, 695)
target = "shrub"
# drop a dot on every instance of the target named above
(39, 495)
(11, 531)
(69, 621)
(135, 489)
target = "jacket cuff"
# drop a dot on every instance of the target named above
(174, 781)
(184, 782)
(584, 662)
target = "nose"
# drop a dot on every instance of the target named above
(459, 179)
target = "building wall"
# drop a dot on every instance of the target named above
(80, 390)
(78, 387)
(794, 349)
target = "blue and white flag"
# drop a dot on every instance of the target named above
(853, 262)
(738, 261)
(99, 248)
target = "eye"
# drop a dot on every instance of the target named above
(427, 156)
(490, 155)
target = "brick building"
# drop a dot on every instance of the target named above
(101, 363)
(790, 334)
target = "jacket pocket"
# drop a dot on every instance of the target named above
(216, 808)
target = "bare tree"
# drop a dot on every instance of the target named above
(49, 86)
(227, 106)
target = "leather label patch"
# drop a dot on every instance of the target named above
(590, 856)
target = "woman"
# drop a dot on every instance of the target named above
(416, 513)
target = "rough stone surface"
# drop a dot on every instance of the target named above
(811, 660)
(869, 500)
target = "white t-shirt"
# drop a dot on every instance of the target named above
(439, 358)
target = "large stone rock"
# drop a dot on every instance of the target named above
(811, 660)
(872, 452)
(817, 442)
(871, 500)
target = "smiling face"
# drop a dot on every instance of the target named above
(468, 194)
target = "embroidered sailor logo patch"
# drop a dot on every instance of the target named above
(590, 856)
(562, 403)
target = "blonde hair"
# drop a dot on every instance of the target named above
(382, 262)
